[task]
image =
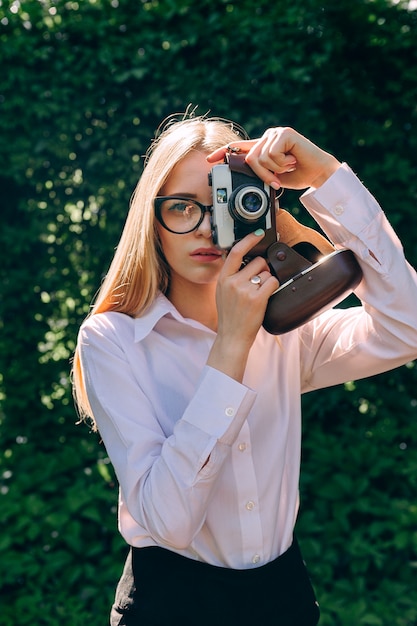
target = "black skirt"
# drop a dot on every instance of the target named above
(161, 588)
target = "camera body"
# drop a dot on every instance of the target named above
(242, 203)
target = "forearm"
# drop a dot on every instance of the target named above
(167, 447)
(229, 357)
(382, 334)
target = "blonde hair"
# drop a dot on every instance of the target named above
(138, 270)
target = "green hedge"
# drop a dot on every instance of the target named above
(84, 85)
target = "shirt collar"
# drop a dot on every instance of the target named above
(146, 322)
(160, 308)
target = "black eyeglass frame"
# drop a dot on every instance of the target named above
(157, 203)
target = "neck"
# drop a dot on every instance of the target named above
(197, 302)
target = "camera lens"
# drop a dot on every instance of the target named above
(251, 202)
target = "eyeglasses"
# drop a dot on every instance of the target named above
(180, 215)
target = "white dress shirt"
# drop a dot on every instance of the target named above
(162, 412)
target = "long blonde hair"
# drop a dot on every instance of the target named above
(138, 271)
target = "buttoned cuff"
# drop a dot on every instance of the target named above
(220, 407)
(335, 205)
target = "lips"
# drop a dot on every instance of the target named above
(206, 254)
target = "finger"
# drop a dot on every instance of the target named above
(247, 147)
(280, 145)
(256, 267)
(273, 155)
(263, 278)
(266, 171)
(240, 250)
(259, 160)
(242, 146)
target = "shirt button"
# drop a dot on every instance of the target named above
(256, 558)
(250, 505)
(230, 411)
(242, 447)
(339, 209)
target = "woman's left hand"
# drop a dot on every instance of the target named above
(241, 296)
(284, 158)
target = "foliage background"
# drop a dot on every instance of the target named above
(83, 86)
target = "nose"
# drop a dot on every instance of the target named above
(205, 227)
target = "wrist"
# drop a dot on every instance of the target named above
(229, 357)
(327, 171)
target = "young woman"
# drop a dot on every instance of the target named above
(198, 406)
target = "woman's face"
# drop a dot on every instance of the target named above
(192, 257)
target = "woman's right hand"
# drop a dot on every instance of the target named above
(241, 307)
(284, 158)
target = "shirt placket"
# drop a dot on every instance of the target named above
(247, 499)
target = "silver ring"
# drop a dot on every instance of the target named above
(256, 280)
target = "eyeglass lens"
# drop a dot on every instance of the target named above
(180, 215)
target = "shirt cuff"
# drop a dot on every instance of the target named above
(335, 205)
(221, 406)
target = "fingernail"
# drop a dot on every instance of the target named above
(260, 232)
(291, 169)
(275, 185)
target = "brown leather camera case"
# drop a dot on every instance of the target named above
(307, 289)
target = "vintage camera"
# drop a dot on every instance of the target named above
(313, 275)
(242, 203)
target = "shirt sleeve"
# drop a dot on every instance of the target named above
(165, 482)
(381, 334)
